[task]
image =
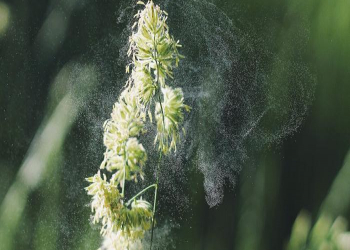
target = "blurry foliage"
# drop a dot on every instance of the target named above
(329, 232)
(326, 234)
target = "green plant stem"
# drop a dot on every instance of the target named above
(160, 152)
(141, 192)
(126, 163)
(155, 198)
(157, 177)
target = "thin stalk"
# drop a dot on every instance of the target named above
(161, 108)
(157, 79)
(141, 192)
(160, 153)
(125, 164)
(155, 198)
(123, 187)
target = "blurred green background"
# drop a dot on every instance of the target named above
(43, 204)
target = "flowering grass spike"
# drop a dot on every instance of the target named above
(154, 54)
